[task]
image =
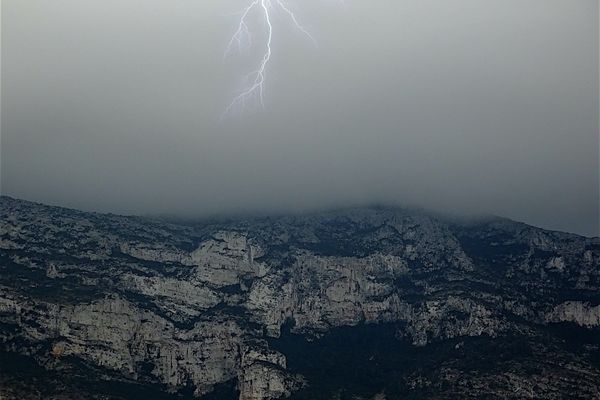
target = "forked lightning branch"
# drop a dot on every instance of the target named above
(248, 27)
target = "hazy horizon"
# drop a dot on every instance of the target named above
(464, 107)
(185, 219)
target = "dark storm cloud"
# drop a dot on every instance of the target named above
(464, 106)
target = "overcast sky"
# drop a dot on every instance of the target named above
(457, 105)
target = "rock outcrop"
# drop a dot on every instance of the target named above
(194, 308)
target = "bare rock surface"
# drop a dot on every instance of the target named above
(222, 308)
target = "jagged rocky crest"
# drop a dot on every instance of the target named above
(371, 303)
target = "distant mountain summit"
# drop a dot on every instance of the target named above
(366, 303)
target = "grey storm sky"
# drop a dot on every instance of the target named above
(465, 106)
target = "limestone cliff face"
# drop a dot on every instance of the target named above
(195, 307)
(578, 312)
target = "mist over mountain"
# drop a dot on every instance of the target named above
(463, 106)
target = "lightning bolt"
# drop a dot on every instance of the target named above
(292, 16)
(242, 37)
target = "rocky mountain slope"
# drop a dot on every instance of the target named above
(371, 303)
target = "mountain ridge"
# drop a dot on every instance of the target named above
(224, 218)
(225, 307)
